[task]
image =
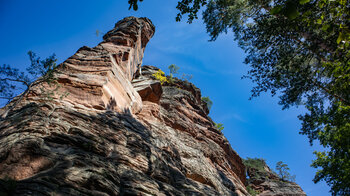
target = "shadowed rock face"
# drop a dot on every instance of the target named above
(118, 132)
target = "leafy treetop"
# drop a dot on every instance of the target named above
(283, 172)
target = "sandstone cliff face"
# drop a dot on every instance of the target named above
(267, 183)
(117, 131)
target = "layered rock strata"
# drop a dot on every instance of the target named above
(99, 78)
(116, 130)
(115, 133)
(267, 183)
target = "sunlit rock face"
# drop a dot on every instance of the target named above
(268, 183)
(116, 131)
(100, 77)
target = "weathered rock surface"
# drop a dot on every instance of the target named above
(100, 77)
(117, 132)
(268, 183)
(182, 128)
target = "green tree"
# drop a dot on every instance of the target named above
(256, 163)
(186, 77)
(283, 172)
(14, 82)
(207, 101)
(173, 69)
(298, 50)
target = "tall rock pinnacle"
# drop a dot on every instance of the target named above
(100, 77)
(115, 131)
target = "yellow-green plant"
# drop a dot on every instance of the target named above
(160, 75)
(219, 126)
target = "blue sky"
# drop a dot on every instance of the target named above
(256, 128)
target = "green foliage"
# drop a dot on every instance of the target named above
(283, 172)
(173, 69)
(12, 80)
(298, 49)
(190, 7)
(160, 75)
(251, 191)
(9, 78)
(219, 126)
(133, 4)
(208, 102)
(255, 168)
(256, 163)
(186, 77)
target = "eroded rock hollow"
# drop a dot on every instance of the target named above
(116, 130)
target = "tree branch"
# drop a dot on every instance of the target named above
(7, 98)
(16, 80)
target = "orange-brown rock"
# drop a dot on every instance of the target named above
(267, 183)
(117, 132)
(100, 77)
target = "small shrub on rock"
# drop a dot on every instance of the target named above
(160, 75)
(219, 126)
(208, 102)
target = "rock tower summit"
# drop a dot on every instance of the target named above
(116, 132)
